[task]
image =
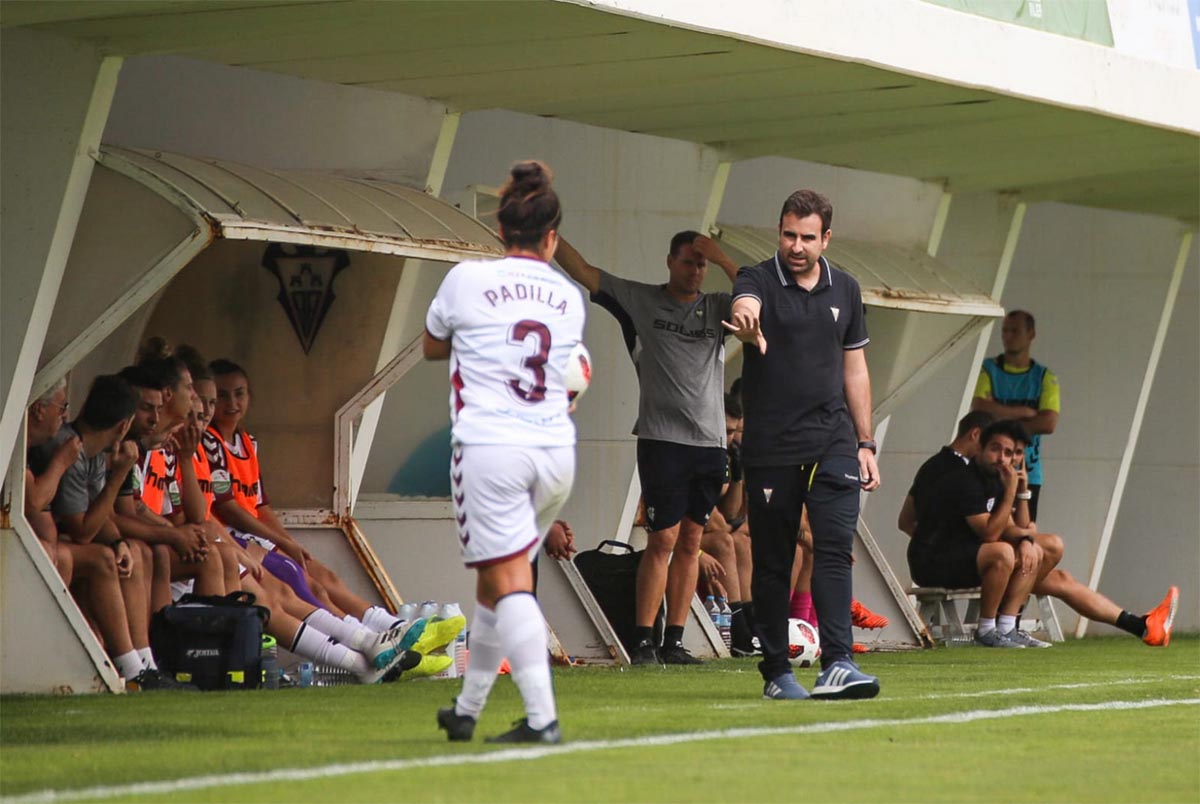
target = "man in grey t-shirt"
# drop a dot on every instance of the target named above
(674, 335)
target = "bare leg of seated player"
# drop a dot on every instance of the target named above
(1153, 628)
(1003, 590)
(718, 543)
(98, 583)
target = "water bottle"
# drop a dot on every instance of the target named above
(714, 611)
(328, 675)
(306, 674)
(459, 646)
(407, 613)
(725, 624)
(270, 662)
(428, 610)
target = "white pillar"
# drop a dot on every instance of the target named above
(1135, 427)
(56, 96)
(1006, 258)
(392, 336)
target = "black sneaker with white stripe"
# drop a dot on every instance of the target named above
(843, 679)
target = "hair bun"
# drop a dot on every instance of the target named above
(153, 348)
(530, 176)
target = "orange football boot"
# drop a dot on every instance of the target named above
(863, 617)
(1161, 619)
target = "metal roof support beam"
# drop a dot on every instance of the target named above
(1135, 427)
(57, 95)
(401, 311)
(998, 284)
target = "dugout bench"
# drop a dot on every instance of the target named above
(938, 608)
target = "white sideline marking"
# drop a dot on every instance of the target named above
(525, 754)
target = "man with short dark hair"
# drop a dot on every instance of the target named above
(807, 440)
(957, 455)
(673, 333)
(1012, 385)
(965, 536)
(83, 510)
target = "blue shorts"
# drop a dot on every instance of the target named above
(679, 480)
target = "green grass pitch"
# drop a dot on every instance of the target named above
(1092, 720)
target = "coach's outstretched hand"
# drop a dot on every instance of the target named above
(748, 329)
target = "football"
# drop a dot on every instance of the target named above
(804, 643)
(579, 372)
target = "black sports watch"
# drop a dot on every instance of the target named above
(868, 445)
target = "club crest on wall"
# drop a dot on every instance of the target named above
(305, 275)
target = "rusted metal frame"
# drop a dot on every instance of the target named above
(1135, 426)
(435, 250)
(12, 516)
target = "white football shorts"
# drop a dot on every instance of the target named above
(507, 497)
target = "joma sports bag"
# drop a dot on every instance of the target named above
(210, 641)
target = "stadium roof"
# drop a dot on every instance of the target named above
(1018, 110)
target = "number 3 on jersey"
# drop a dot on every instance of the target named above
(534, 363)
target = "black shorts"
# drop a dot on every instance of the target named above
(954, 565)
(679, 480)
(1036, 491)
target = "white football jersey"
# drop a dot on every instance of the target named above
(512, 324)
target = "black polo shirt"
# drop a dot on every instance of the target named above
(794, 395)
(942, 513)
(943, 463)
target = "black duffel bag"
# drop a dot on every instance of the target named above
(211, 641)
(612, 577)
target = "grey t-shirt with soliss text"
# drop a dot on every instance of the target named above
(678, 350)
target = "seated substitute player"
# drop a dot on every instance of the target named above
(965, 536)
(1154, 627)
(179, 551)
(93, 572)
(83, 511)
(304, 628)
(242, 504)
(508, 328)
(956, 455)
(674, 334)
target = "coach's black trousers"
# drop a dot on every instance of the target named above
(830, 489)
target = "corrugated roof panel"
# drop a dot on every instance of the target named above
(244, 201)
(891, 276)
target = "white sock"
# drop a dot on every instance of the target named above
(482, 663)
(986, 625)
(312, 644)
(352, 636)
(379, 619)
(522, 630)
(1007, 623)
(147, 658)
(129, 665)
(350, 618)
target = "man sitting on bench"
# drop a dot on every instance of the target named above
(965, 536)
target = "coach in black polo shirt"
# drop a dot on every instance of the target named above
(807, 439)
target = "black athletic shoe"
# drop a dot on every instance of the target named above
(677, 654)
(644, 653)
(408, 660)
(155, 680)
(458, 728)
(523, 733)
